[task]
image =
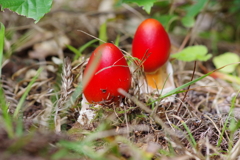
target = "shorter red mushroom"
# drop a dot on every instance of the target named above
(111, 73)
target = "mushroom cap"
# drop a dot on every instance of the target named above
(151, 45)
(111, 73)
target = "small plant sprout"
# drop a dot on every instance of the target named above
(111, 74)
(151, 45)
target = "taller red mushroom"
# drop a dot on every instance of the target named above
(151, 45)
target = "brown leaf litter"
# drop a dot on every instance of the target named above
(146, 124)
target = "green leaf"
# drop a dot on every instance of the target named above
(225, 59)
(191, 11)
(146, 4)
(193, 53)
(35, 9)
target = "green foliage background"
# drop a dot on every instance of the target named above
(35, 9)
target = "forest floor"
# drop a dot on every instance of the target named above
(201, 122)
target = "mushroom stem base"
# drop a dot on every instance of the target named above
(159, 79)
(86, 115)
(159, 82)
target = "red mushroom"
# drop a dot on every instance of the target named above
(111, 74)
(151, 45)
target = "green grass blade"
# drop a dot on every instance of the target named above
(19, 106)
(83, 47)
(84, 149)
(19, 43)
(103, 33)
(86, 45)
(184, 86)
(174, 91)
(2, 33)
(74, 50)
(192, 140)
(230, 114)
(190, 136)
(78, 52)
(7, 119)
(76, 93)
(19, 127)
(117, 41)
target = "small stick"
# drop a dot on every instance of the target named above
(185, 95)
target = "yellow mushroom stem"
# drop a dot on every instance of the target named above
(159, 79)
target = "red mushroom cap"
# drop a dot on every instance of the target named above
(111, 74)
(151, 44)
